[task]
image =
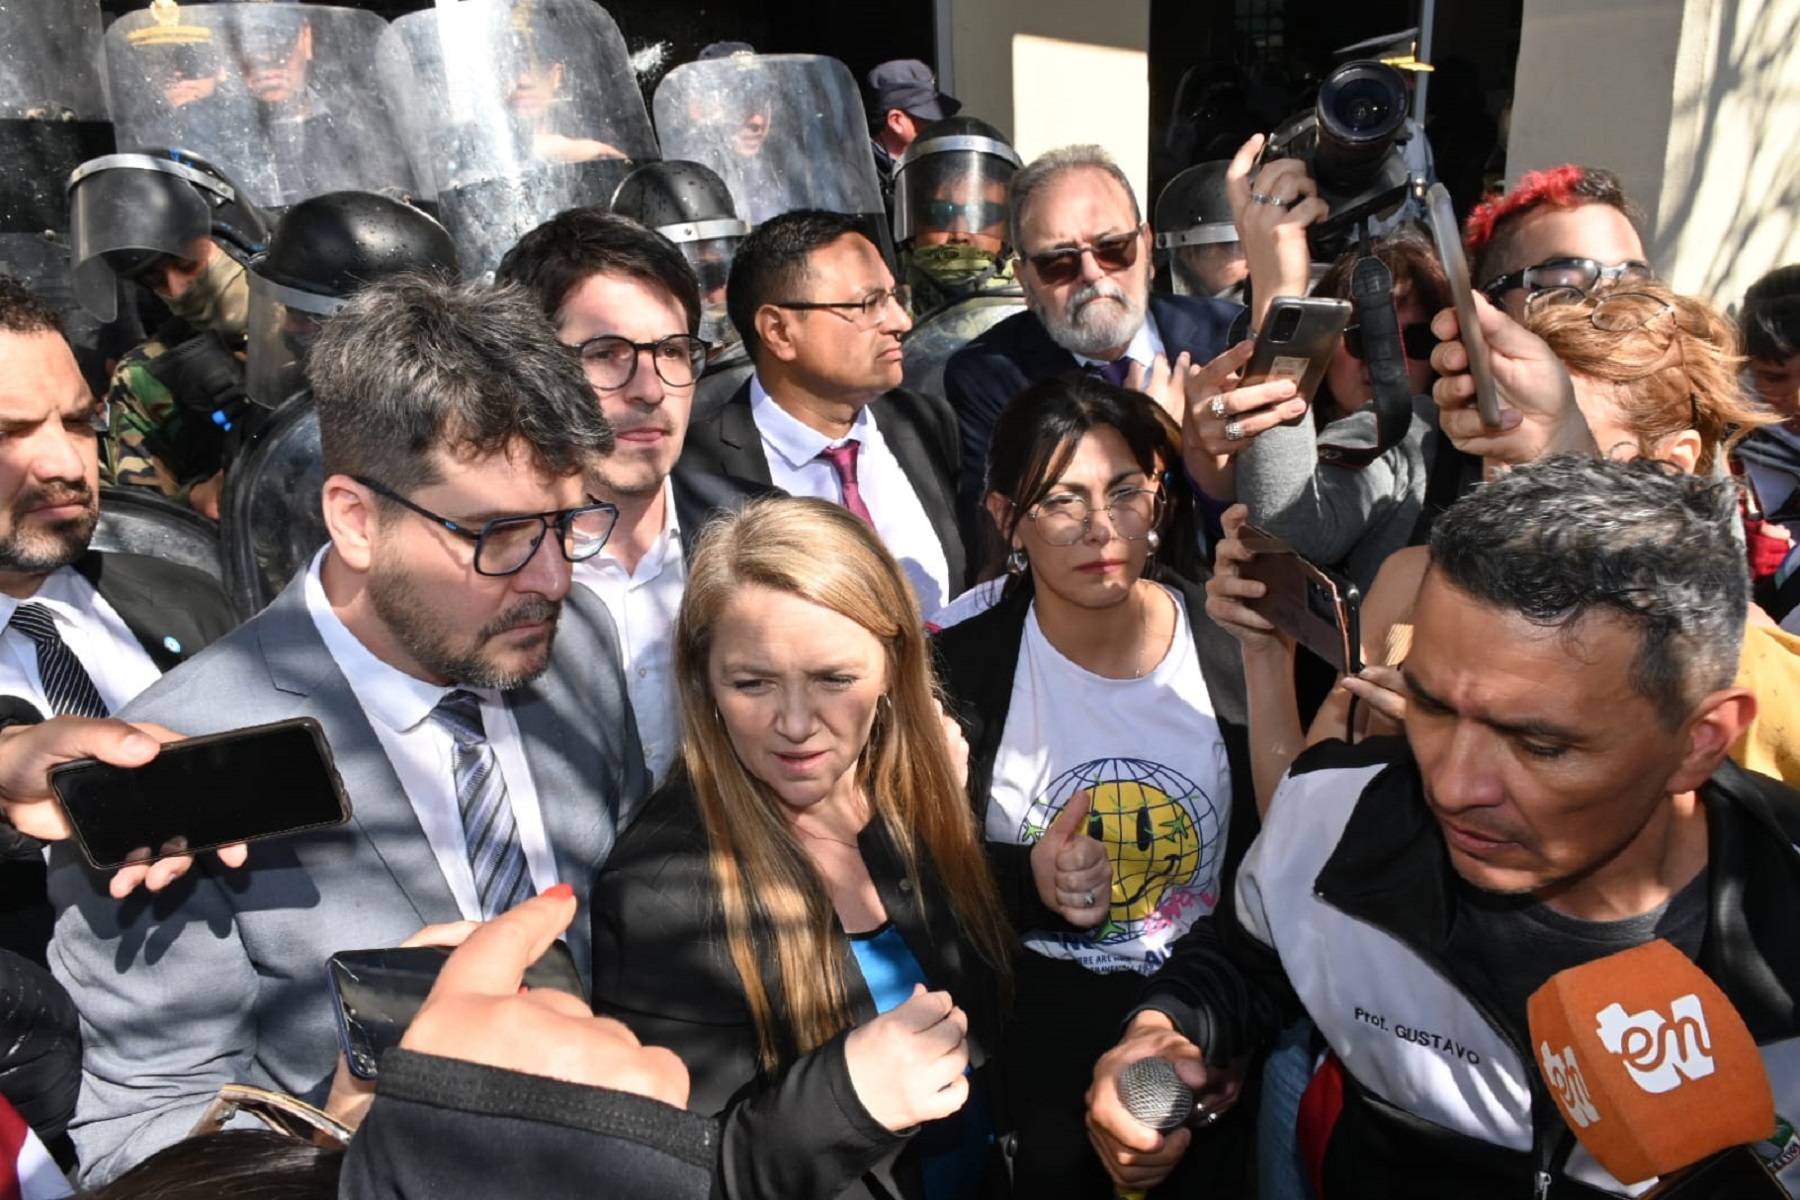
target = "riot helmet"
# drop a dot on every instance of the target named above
(321, 253)
(952, 181)
(128, 212)
(690, 205)
(1195, 232)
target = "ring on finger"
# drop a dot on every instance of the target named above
(1217, 408)
(1234, 431)
(1087, 899)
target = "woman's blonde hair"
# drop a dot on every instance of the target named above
(775, 906)
(1672, 361)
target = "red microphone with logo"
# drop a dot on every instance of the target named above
(1650, 1064)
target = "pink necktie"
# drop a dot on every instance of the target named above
(843, 461)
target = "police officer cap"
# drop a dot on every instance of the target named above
(909, 85)
(332, 245)
(969, 134)
(1193, 209)
(683, 201)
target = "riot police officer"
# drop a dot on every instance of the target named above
(690, 205)
(176, 224)
(1198, 249)
(323, 251)
(950, 220)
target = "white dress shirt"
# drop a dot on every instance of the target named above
(1145, 345)
(93, 631)
(643, 604)
(793, 447)
(421, 751)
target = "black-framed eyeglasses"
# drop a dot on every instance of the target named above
(505, 544)
(1582, 274)
(1116, 253)
(1064, 520)
(972, 217)
(1416, 339)
(866, 313)
(612, 362)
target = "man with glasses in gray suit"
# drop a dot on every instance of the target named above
(483, 766)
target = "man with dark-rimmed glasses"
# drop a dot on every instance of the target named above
(1084, 254)
(824, 414)
(472, 698)
(626, 302)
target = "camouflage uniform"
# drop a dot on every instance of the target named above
(154, 441)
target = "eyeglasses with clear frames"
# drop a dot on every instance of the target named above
(866, 313)
(1613, 312)
(505, 544)
(612, 362)
(1064, 520)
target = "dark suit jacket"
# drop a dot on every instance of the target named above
(700, 496)
(174, 611)
(661, 965)
(981, 377)
(919, 429)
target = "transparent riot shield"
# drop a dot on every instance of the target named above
(136, 521)
(270, 521)
(512, 111)
(784, 131)
(52, 119)
(932, 341)
(283, 97)
(282, 325)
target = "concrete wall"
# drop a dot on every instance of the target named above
(1051, 72)
(1695, 103)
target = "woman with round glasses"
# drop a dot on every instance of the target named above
(804, 913)
(1095, 692)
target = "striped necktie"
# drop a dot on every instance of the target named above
(502, 878)
(67, 685)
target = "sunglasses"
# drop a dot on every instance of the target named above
(1416, 339)
(1111, 254)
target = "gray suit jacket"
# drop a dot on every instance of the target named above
(222, 978)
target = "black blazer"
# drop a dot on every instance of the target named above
(174, 611)
(981, 377)
(662, 967)
(699, 497)
(920, 430)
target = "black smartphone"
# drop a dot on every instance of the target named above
(1309, 604)
(1298, 336)
(202, 793)
(1447, 234)
(379, 992)
(1734, 1174)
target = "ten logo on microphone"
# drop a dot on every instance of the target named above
(1564, 1074)
(1659, 1051)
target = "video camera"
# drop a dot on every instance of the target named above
(1350, 145)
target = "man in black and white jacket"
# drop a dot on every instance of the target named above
(1562, 794)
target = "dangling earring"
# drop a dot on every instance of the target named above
(1155, 540)
(1016, 562)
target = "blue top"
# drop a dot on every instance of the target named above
(952, 1151)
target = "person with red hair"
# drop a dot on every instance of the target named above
(1567, 226)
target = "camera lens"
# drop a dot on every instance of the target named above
(1286, 323)
(1361, 109)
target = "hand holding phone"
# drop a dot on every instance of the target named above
(202, 794)
(1296, 342)
(1311, 605)
(1538, 415)
(1441, 216)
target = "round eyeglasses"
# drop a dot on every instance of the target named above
(1614, 312)
(505, 544)
(1064, 520)
(612, 362)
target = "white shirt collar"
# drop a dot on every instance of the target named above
(664, 550)
(63, 591)
(388, 694)
(793, 439)
(1145, 345)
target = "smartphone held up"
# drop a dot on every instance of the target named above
(202, 793)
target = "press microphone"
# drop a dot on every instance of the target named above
(1155, 1096)
(1649, 1063)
